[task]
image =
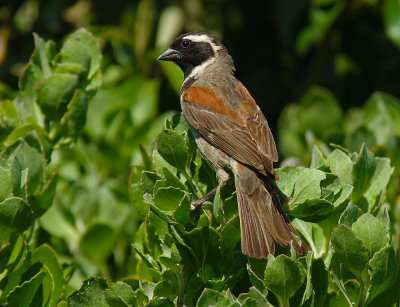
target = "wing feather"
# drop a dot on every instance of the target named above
(241, 132)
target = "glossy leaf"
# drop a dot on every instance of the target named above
(349, 249)
(91, 293)
(319, 279)
(372, 232)
(168, 199)
(300, 183)
(120, 294)
(24, 294)
(312, 209)
(363, 171)
(283, 276)
(47, 257)
(384, 271)
(211, 297)
(81, 48)
(15, 216)
(173, 148)
(55, 93)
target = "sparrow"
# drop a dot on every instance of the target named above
(233, 135)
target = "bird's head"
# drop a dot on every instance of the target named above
(194, 51)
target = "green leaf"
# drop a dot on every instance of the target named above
(344, 194)
(283, 276)
(350, 215)
(384, 271)
(17, 253)
(349, 249)
(177, 123)
(6, 185)
(47, 257)
(168, 286)
(24, 130)
(55, 93)
(24, 294)
(382, 115)
(350, 295)
(210, 297)
(160, 163)
(98, 241)
(218, 205)
(160, 302)
(230, 235)
(363, 171)
(41, 201)
(372, 232)
(257, 281)
(42, 60)
(33, 161)
(75, 117)
(182, 213)
(168, 199)
(172, 180)
(391, 20)
(313, 234)
(355, 139)
(340, 164)
(120, 294)
(204, 243)
(81, 48)
(148, 181)
(91, 293)
(317, 158)
(300, 183)
(15, 216)
(157, 225)
(311, 210)
(253, 298)
(376, 192)
(173, 148)
(319, 280)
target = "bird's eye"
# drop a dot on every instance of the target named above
(185, 43)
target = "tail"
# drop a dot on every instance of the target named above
(262, 220)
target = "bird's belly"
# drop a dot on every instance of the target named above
(216, 157)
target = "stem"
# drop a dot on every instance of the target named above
(183, 278)
(283, 302)
(195, 188)
(364, 284)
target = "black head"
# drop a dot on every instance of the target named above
(190, 50)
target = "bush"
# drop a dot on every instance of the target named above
(70, 209)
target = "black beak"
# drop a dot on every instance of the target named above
(169, 55)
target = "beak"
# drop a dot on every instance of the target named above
(169, 55)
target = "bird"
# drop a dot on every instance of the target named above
(233, 135)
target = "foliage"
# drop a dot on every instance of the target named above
(193, 258)
(79, 228)
(49, 111)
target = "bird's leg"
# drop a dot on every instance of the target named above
(223, 178)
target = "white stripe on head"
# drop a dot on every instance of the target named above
(204, 38)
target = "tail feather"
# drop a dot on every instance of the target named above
(262, 220)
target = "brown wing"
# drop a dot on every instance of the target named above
(234, 124)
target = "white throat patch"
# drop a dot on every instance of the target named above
(199, 68)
